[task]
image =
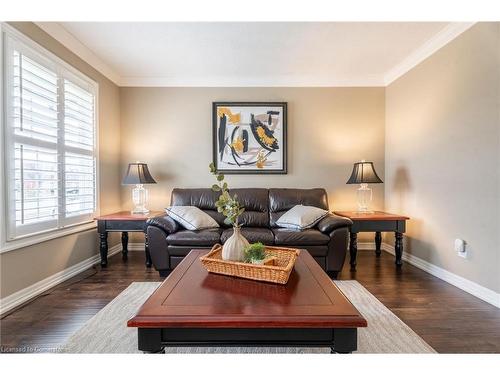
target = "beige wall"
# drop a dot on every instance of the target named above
(442, 153)
(328, 130)
(24, 267)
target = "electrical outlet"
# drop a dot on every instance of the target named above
(461, 248)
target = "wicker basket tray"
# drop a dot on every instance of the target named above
(278, 273)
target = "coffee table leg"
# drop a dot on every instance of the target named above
(124, 245)
(149, 340)
(353, 249)
(103, 248)
(378, 243)
(399, 249)
(345, 340)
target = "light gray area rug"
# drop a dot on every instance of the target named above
(107, 331)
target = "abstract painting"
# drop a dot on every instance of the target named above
(249, 138)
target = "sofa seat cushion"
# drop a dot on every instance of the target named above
(283, 236)
(315, 250)
(204, 237)
(252, 234)
(182, 251)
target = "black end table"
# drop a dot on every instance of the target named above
(377, 222)
(124, 222)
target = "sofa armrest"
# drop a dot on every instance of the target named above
(165, 223)
(331, 222)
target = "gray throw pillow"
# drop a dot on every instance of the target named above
(191, 217)
(301, 217)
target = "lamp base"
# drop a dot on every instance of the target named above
(140, 199)
(364, 198)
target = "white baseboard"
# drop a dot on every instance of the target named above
(366, 246)
(136, 246)
(15, 299)
(460, 282)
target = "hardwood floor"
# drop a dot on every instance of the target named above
(450, 320)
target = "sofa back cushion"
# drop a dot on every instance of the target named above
(281, 200)
(204, 199)
(255, 201)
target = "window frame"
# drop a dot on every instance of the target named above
(64, 71)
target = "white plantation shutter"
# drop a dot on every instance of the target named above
(79, 145)
(36, 185)
(78, 116)
(35, 99)
(50, 141)
(80, 184)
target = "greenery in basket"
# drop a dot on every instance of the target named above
(227, 205)
(255, 253)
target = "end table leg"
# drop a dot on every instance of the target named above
(378, 243)
(124, 245)
(149, 263)
(103, 248)
(399, 249)
(353, 249)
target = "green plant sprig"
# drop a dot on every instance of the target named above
(255, 251)
(227, 205)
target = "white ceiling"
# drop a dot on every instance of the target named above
(254, 54)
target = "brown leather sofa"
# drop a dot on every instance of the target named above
(169, 242)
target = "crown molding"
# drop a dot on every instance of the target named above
(446, 35)
(68, 40)
(438, 41)
(249, 81)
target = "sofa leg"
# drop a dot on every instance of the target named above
(164, 273)
(333, 274)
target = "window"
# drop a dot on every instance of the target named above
(50, 141)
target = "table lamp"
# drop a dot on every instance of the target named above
(138, 175)
(363, 173)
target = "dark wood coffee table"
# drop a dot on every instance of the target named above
(195, 308)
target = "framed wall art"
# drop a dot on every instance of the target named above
(250, 137)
